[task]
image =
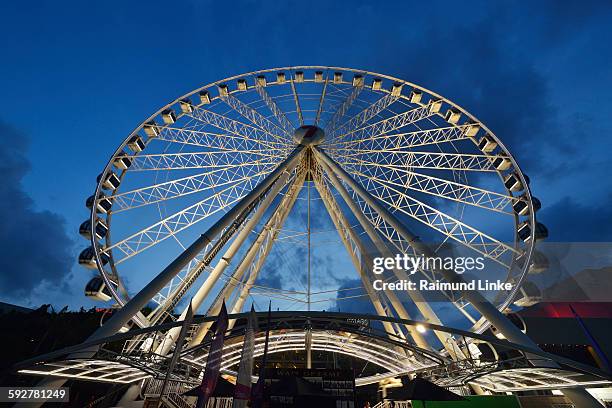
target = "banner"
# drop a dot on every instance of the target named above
(213, 362)
(178, 347)
(242, 392)
(258, 390)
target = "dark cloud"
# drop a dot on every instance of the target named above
(570, 220)
(352, 300)
(494, 67)
(481, 70)
(35, 248)
(555, 22)
(271, 276)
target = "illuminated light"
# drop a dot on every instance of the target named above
(121, 380)
(420, 328)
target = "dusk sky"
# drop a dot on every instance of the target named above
(77, 77)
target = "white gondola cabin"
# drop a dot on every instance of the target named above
(122, 161)
(487, 144)
(111, 181)
(96, 289)
(299, 76)
(319, 76)
(242, 85)
(416, 96)
(101, 229)
(280, 77)
(103, 206)
(522, 208)
(337, 77)
(528, 295)
(501, 163)
(452, 116)
(539, 262)
(87, 258)
(136, 144)
(261, 80)
(358, 80)
(223, 90)
(186, 106)
(435, 105)
(396, 89)
(377, 84)
(513, 182)
(204, 97)
(524, 232)
(168, 116)
(471, 129)
(151, 129)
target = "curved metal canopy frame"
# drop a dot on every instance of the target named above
(333, 332)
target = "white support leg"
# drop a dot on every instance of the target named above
(272, 225)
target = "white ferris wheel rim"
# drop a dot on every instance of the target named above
(108, 278)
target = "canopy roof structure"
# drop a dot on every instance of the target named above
(331, 332)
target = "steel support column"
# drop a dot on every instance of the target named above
(204, 289)
(346, 235)
(284, 206)
(264, 243)
(384, 250)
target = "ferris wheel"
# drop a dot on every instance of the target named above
(393, 167)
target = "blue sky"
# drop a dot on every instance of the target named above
(77, 77)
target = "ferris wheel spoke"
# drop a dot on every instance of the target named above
(234, 244)
(417, 138)
(234, 127)
(200, 160)
(296, 99)
(387, 125)
(321, 102)
(225, 141)
(474, 196)
(255, 256)
(419, 160)
(393, 237)
(280, 116)
(218, 177)
(344, 107)
(253, 116)
(179, 221)
(361, 118)
(439, 221)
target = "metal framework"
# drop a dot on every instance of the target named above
(331, 332)
(397, 167)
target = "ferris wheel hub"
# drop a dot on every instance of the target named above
(309, 135)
